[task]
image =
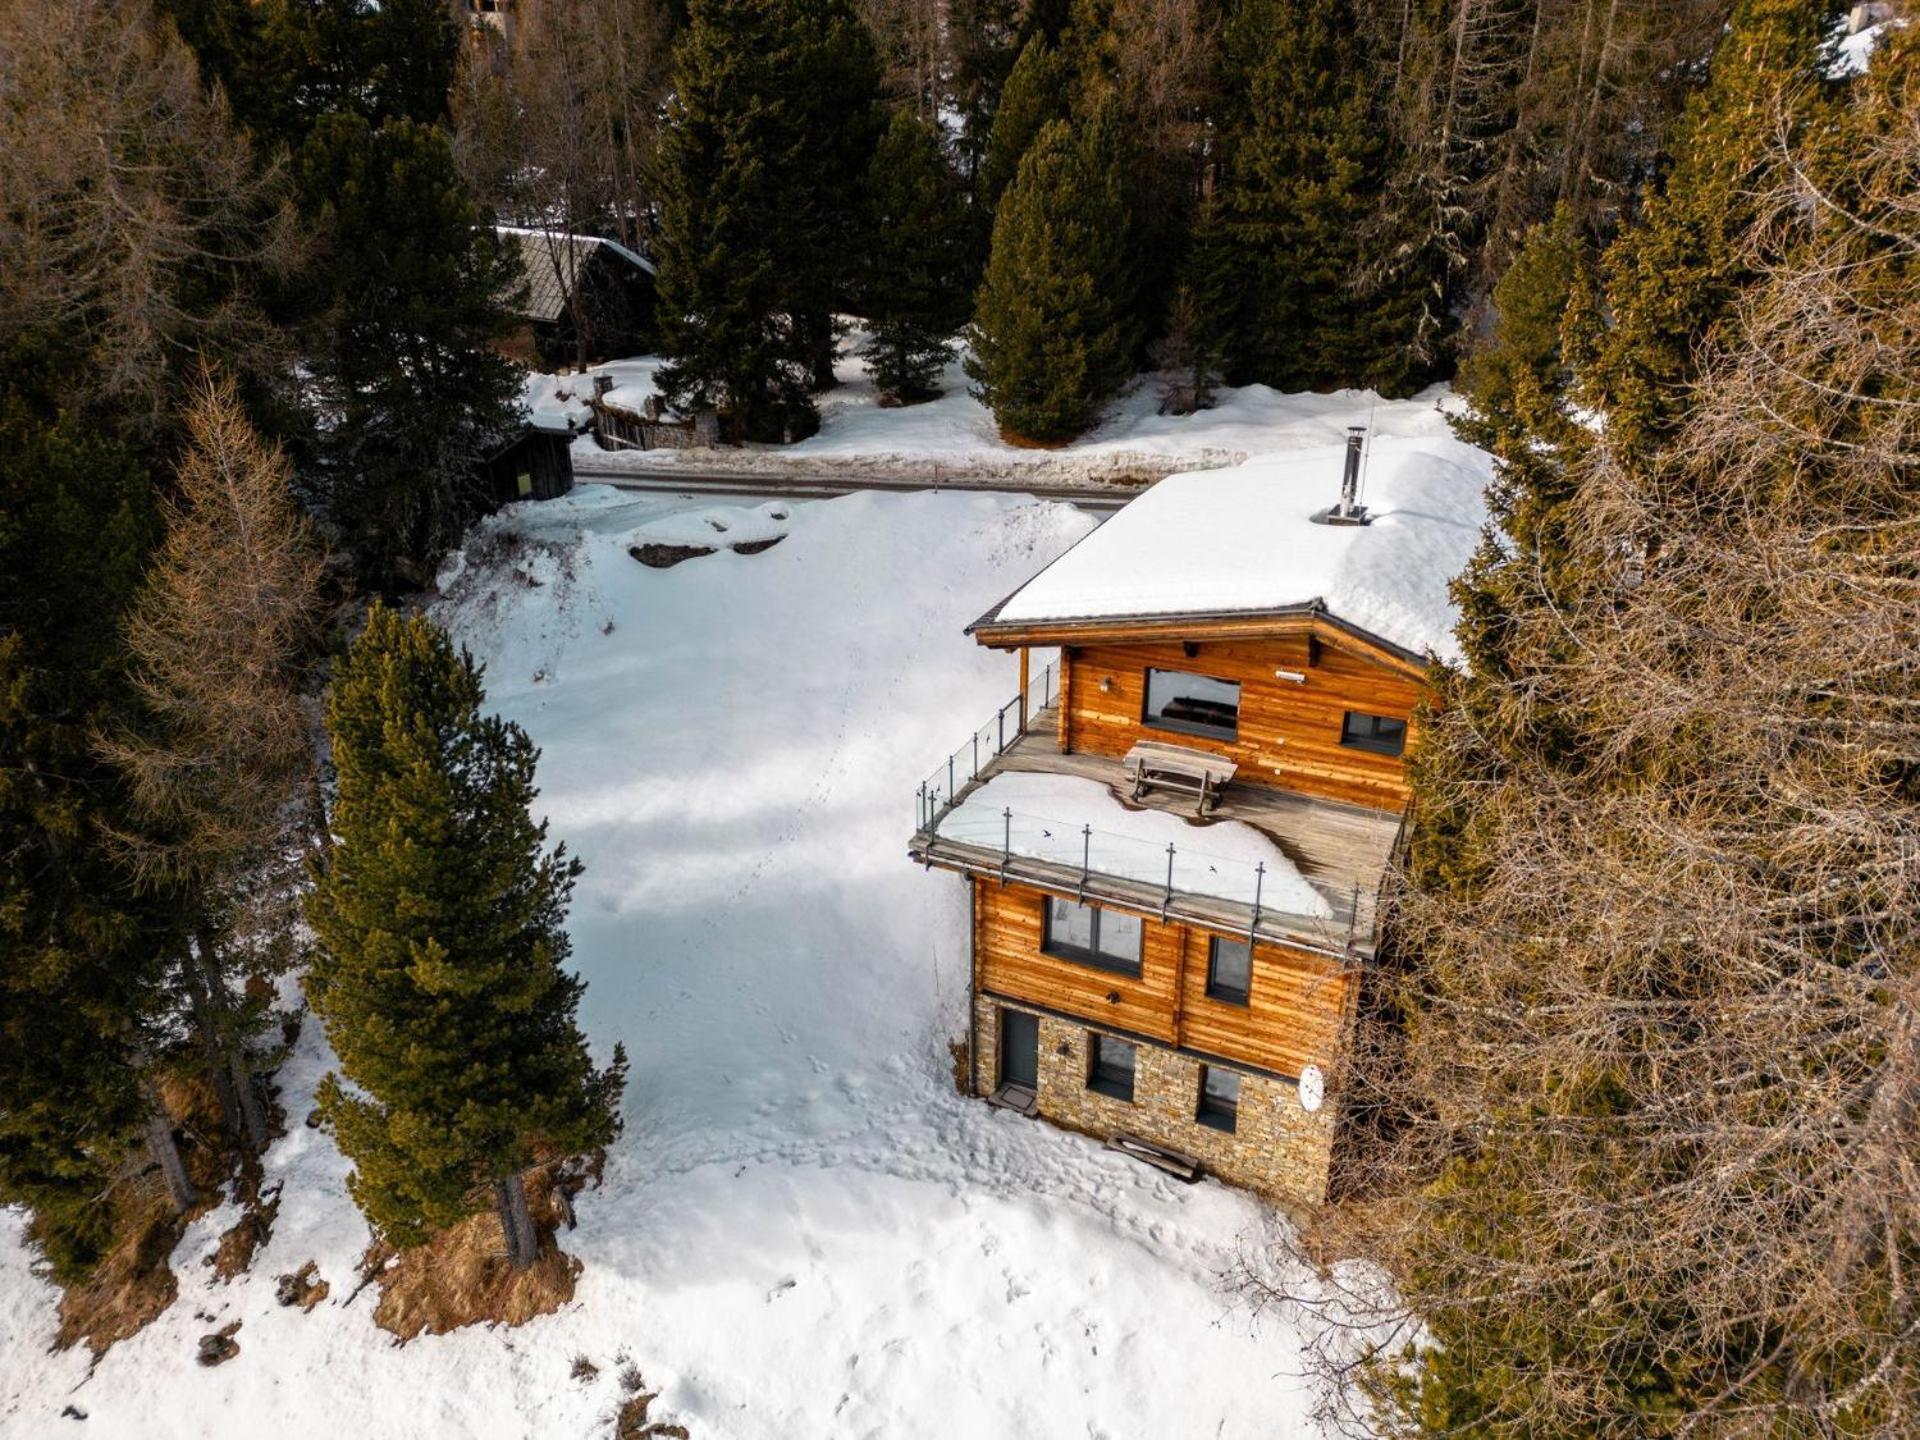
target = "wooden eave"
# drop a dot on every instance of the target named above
(1311, 619)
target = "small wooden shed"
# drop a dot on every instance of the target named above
(537, 464)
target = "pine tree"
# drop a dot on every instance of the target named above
(1053, 334)
(915, 297)
(983, 37)
(82, 956)
(772, 127)
(1035, 95)
(440, 975)
(411, 392)
(1670, 278)
(220, 759)
(1303, 165)
(285, 63)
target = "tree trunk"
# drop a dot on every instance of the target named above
(817, 334)
(166, 1154)
(206, 999)
(253, 1114)
(516, 1223)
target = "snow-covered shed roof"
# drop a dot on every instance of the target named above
(1241, 543)
(551, 262)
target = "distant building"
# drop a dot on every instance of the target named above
(587, 299)
(1174, 842)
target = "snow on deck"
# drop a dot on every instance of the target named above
(1244, 539)
(1217, 860)
(804, 1231)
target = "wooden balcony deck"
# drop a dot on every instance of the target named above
(1343, 851)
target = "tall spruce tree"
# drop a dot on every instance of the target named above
(1054, 333)
(82, 954)
(440, 975)
(1036, 93)
(1303, 165)
(1671, 278)
(915, 297)
(411, 391)
(773, 122)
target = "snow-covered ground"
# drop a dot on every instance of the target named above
(954, 437)
(804, 1231)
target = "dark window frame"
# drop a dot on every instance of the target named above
(1061, 950)
(1214, 1114)
(1106, 1084)
(1228, 994)
(1372, 741)
(1184, 727)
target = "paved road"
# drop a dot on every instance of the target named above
(725, 482)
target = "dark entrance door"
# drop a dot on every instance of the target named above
(1019, 1049)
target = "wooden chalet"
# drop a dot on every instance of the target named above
(586, 299)
(1174, 837)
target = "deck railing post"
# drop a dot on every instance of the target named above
(1166, 901)
(1259, 882)
(949, 778)
(1001, 748)
(1086, 859)
(1006, 844)
(920, 804)
(976, 756)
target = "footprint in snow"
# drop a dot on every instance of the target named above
(781, 1288)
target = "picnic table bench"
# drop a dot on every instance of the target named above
(1155, 764)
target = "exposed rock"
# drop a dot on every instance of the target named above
(219, 1347)
(665, 557)
(303, 1287)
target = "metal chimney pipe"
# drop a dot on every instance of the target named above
(1350, 480)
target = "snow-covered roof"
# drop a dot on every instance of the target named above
(550, 262)
(1241, 541)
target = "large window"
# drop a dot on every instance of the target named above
(1381, 734)
(1109, 1066)
(1229, 970)
(1091, 935)
(1219, 1098)
(1192, 704)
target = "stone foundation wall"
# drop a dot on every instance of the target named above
(1277, 1148)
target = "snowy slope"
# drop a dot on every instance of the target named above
(804, 1231)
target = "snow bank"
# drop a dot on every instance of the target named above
(956, 434)
(1244, 539)
(804, 1231)
(1217, 859)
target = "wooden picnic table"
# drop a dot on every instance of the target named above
(1154, 764)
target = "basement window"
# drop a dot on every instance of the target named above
(1107, 938)
(1192, 704)
(1110, 1066)
(1219, 1098)
(1381, 734)
(1229, 970)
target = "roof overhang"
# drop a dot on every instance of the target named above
(1309, 618)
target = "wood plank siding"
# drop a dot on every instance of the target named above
(1289, 732)
(1297, 1006)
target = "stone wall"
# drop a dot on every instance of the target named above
(1277, 1148)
